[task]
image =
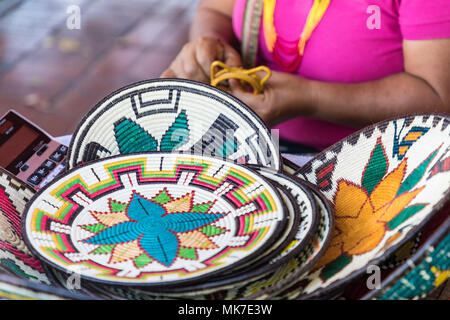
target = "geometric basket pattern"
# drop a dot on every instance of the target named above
(15, 257)
(385, 183)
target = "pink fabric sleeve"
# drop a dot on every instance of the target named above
(424, 19)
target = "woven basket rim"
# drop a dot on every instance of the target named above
(310, 196)
(361, 131)
(245, 274)
(290, 164)
(329, 211)
(85, 289)
(22, 183)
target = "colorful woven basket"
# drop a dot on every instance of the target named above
(237, 277)
(385, 183)
(423, 272)
(15, 257)
(154, 219)
(173, 115)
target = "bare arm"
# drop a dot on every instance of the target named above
(423, 87)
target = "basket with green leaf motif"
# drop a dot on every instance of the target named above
(386, 182)
(173, 115)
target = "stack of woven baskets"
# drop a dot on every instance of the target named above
(175, 189)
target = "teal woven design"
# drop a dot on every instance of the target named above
(154, 228)
(228, 148)
(424, 278)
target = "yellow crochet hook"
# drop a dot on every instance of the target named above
(221, 72)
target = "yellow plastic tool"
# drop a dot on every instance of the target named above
(221, 72)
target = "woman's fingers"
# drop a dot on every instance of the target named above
(235, 87)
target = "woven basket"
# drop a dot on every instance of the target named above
(15, 257)
(211, 216)
(242, 275)
(233, 285)
(385, 183)
(289, 166)
(173, 115)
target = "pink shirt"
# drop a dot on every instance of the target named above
(348, 47)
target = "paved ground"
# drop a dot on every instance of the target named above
(54, 75)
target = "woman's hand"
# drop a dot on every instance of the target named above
(195, 59)
(284, 96)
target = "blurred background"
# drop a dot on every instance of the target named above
(54, 75)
